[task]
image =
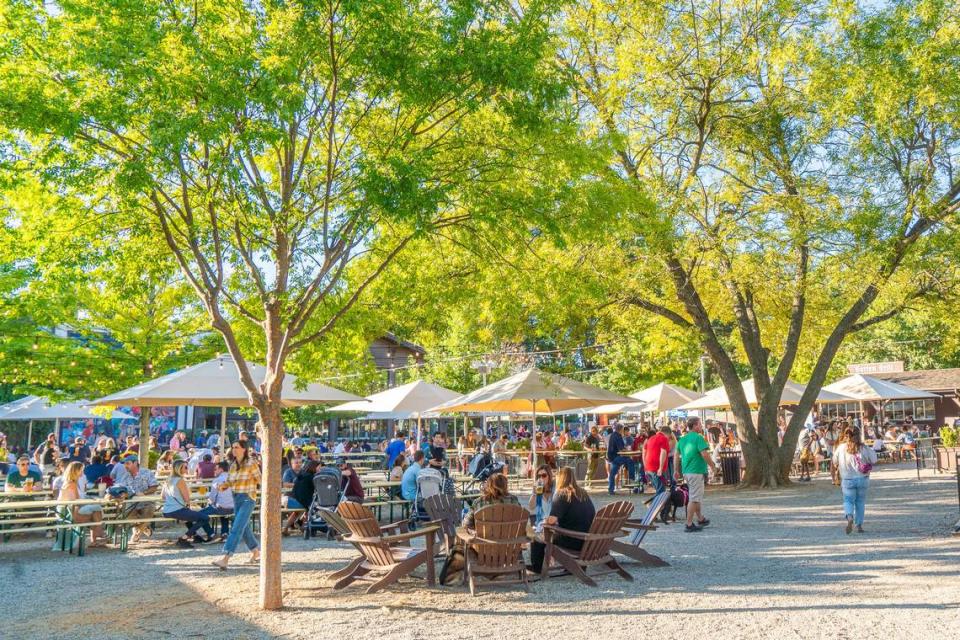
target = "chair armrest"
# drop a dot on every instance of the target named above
(636, 524)
(580, 535)
(425, 532)
(395, 526)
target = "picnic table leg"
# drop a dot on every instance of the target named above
(431, 568)
(80, 542)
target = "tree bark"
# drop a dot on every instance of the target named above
(271, 588)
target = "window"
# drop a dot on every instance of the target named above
(900, 410)
(840, 410)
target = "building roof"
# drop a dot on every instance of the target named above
(926, 379)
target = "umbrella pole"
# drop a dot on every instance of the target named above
(29, 435)
(418, 432)
(223, 433)
(533, 441)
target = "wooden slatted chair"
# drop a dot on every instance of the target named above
(444, 511)
(495, 550)
(607, 526)
(381, 562)
(339, 530)
(632, 548)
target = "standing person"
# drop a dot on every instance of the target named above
(805, 448)
(656, 452)
(394, 449)
(592, 443)
(692, 457)
(617, 461)
(854, 461)
(244, 480)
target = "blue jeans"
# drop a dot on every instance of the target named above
(242, 508)
(854, 498)
(210, 510)
(195, 520)
(615, 465)
(656, 482)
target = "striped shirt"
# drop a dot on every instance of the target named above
(246, 479)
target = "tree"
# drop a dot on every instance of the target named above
(788, 175)
(273, 145)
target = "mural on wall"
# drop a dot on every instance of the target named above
(163, 422)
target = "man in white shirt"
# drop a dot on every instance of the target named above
(220, 501)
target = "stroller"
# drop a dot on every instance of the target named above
(326, 494)
(429, 483)
(482, 467)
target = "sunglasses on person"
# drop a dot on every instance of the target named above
(542, 475)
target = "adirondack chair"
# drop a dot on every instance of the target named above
(380, 561)
(607, 526)
(495, 549)
(632, 548)
(339, 529)
(444, 511)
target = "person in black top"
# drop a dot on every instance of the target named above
(572, 509)
(614, 447)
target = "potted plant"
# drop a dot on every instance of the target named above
(946, 452)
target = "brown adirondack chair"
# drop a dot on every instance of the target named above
(632, 548)
(495, 549)
(444, 511)
(381, 562)
(340, 531)
(607, 526)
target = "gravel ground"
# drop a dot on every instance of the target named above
(772, 565)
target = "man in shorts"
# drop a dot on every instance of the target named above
(693, 453)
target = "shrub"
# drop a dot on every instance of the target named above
(949, 436)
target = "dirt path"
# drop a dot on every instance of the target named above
(772, 565)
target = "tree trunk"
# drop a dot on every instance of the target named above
(144, 451)
(762, 458)
(271, 539)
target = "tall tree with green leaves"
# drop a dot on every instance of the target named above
(271, 146)
(787, 173)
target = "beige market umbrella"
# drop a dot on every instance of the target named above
(535, 391)
(408, 401)
(215, 383)
(792, 391)
(656, 399)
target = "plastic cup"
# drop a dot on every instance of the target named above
(101, 489)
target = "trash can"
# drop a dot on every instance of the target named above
(730, 467)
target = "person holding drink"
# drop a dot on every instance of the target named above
(541, 501)
(23, 479)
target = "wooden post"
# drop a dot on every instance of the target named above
(223, 433)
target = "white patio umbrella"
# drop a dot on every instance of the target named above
(792, 391)
(215, 383)
(869, 389)
(405, 402)
(656, 399)
(535, 391)
(36, 408)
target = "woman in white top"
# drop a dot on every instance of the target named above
(854, 460)
(176, 505)
(541, 501)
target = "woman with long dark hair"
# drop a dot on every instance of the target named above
(854, 461)
(243, 479)
(541, 501)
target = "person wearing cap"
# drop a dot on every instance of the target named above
(138, 482)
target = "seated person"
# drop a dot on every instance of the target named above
(396, 474)
(572, 509)
(206, 468)
(495, 491)
(298, 478)
(408, 484)
(220, 499)
(541, 500)
(69, 491)
(97, 471)
(176, 505)
(23, 479)
(350, 484)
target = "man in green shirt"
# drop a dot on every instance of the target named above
(693, 453)
(23, 479)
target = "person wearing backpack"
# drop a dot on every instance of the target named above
(854, 461)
